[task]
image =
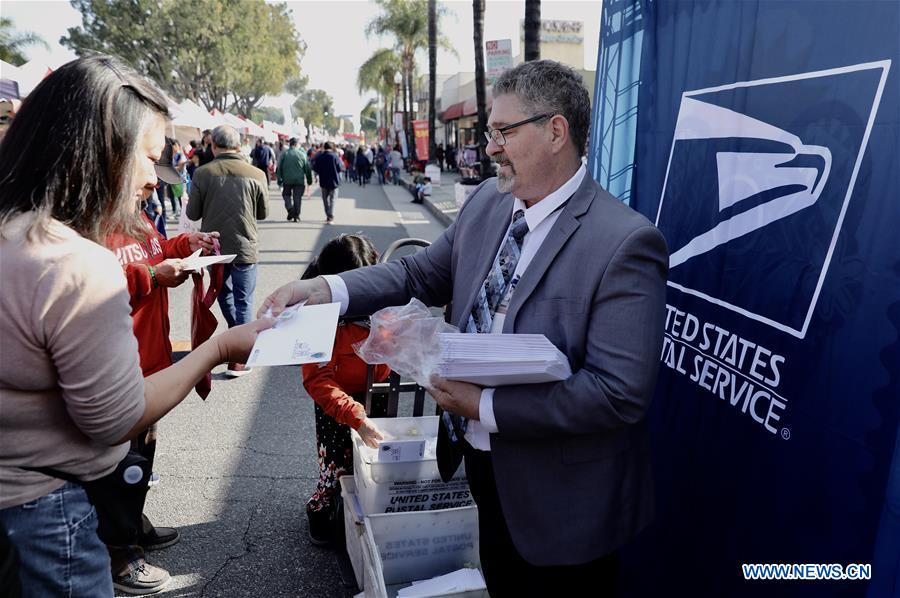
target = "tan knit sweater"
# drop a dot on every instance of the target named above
(70, 379)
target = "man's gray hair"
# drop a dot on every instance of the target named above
(546, 86)
(226, 137)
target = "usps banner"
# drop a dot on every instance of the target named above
(767, 151)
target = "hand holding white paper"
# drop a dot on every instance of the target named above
(196, 262)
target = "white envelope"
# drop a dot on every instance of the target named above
(501, 359)
(306, 335)
(196, 262)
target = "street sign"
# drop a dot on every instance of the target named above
(498, 58)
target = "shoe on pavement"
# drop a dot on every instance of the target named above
(159, 538)
(236, 370)
(320, 527)
(144, 579)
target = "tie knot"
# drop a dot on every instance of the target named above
(519, 225)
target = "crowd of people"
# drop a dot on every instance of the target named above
(291, 164)
(87, 366)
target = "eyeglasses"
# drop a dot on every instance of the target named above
(496, 135)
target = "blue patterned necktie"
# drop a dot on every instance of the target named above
(489, 298)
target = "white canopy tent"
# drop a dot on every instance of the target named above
(191, 115)
(27, 76)
(220, 118)
(276, 128)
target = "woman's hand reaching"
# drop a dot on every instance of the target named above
(236, 343)
(369, 433)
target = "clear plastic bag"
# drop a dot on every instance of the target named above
(406, 338)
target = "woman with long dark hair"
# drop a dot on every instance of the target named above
(72, 166)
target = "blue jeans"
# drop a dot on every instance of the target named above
(395, 174)
(56, 536)
(236, 296)
(328, 201)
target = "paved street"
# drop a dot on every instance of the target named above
(237, 468)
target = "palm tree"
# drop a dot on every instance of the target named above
(532, 30)
(407, 21)
(368, 120)
(377, 74)
(12, 42)
(432, 75)
(481, 101)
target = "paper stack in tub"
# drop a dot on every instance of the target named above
(385, 486)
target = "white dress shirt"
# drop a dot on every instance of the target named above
(540, 218)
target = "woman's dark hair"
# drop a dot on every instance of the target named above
(71, 149)
(346, 252)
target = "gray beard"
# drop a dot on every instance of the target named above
(506, 183)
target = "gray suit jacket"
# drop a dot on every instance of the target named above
(571, 459)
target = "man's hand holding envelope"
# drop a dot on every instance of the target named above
(314, 291)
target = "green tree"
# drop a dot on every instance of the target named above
(377, 74)
(316, 107)
(407, 21)
(276, 115)
(13, 42)
(239, 51)
(268, 53)
(297, 85)
(368, 119)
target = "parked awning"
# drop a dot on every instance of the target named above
(470, 106)
(453, 112)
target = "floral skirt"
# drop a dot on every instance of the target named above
(335, 455)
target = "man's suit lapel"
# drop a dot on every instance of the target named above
(564, 227)
(495, 226)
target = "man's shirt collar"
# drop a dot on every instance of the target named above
(539, 211)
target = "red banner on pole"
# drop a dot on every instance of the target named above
(420, 128)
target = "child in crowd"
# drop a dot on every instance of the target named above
(423, 190)
(338, 389)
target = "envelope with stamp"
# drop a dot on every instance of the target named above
(302, 334)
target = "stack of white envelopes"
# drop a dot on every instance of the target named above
(501, 359)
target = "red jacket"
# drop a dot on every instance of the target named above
(149, 306)
(330, 384)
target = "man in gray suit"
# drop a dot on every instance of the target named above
(560, 471)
